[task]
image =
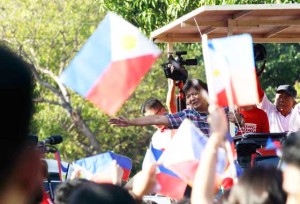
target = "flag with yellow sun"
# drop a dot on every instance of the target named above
(230, 70)
(111, 64)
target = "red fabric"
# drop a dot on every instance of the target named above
(171, 186)
(57, 157)
(266, 152)
(261, 92)
(118, 82)
(256, 120)
(262, 152)
(46, 198)
(227, 183)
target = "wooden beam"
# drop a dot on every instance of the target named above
(170, 47)
(204, 23)
(230, 23)
(258, 23)
(242, 23)
(241, 14)
(208, 30)
(194, 38)
(276, 31)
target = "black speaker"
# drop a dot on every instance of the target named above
(244, 151)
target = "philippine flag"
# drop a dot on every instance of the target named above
(183, 154)
(170, 184)
(100, 162)
(111, 64)
(230, 70)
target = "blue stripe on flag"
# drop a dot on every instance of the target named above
(157, 153)
(91, 61)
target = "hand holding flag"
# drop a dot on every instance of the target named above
(218, 122)
(168, 183)
(204, 184)
(144, 182)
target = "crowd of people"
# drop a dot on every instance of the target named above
(22, 175)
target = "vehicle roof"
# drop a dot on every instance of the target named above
(267, 23)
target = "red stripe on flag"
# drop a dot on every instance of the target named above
(171, 186)
(118, 82)
(223, 99)
(126, 173)
(185, 170)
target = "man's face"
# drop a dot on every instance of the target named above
(195, 100)
(158, 111)
(284, 102)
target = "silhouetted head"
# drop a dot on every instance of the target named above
(16, 109)
(92, 193)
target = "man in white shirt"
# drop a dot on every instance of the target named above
(295, 119)
(162, 137)
(279, 113)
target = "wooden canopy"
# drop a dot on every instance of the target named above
(267, 23)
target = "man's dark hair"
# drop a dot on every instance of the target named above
(151, 104)
(16, 109)
(64, 190)
(291, 149)
(194, 83)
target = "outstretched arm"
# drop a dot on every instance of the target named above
(142, 121)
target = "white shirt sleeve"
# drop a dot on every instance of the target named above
(266, 104)
(294, 124)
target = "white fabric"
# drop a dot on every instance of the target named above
(295, 119)
(277, 122)
(161, 139)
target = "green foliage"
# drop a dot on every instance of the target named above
(282, 66)
(52, 32)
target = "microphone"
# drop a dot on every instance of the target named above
(52, 140)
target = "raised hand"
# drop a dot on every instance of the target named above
(119, 121)
(217, 120)
(112, 174)
(144, 182)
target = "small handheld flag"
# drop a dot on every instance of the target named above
(111, 64)
(183, 154)
(98, 163)
(169, 183)
(230, 70)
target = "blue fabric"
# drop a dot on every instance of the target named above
(97, 163)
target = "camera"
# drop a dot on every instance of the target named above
(260, 55)
(260, 52)
(175, 67)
